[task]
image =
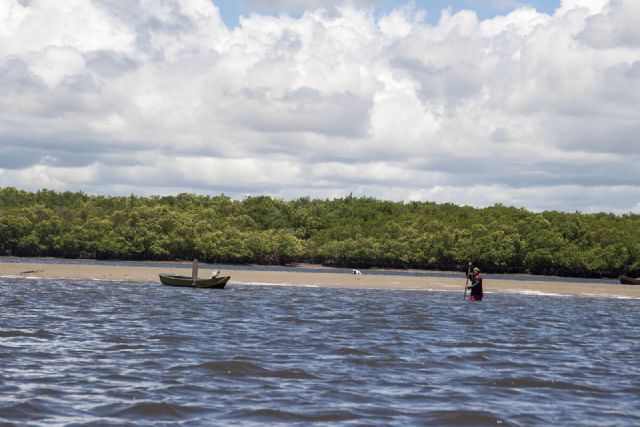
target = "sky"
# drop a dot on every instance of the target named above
(533, 104)
(232, 10)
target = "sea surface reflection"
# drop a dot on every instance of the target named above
(116, 353)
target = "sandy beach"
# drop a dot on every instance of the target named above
(146, 274)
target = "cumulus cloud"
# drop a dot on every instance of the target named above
(159, 96)
(616, 26)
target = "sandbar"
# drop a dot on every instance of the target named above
(149, 274)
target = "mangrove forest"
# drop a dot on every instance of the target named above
(355, 232)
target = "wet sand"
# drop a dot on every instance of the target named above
(150, 275)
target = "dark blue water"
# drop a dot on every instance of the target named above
(98, 353)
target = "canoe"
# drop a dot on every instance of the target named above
(626, 280)
(217, 282)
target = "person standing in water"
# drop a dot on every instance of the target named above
(476, 285)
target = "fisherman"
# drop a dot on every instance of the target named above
(476, 285)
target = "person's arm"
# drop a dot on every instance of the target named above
(474, 282)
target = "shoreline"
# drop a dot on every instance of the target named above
(307, 268)
(148, 273)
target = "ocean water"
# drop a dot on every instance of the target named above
(117, 353)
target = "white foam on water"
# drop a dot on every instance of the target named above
(527, 292)
(555, 294)
(293, 285)
(429, 290)
(77, 279)
(610, 296)
(12, 276)
(96, 279)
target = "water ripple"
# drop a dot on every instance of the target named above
(94, 353)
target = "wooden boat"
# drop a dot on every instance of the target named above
(626, 280)
(215, 282)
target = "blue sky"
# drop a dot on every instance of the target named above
(231, 10)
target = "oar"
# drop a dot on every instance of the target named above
(194, 271)
(467, 281)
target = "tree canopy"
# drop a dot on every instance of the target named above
(358, 232)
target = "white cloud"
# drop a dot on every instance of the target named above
(589, 6)
(616, 26)
(159, 96)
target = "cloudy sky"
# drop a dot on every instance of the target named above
(533, 104)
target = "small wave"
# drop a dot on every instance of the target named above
(430, 290)
(555, 294)
(454, 358)
(294, 373)
(627, 297)
(15, 302)
(35, 409)
(146, 409)
(528, 292)
(169, 338)
(292, 320)
(126, 347)
(530, 382)
(464, 417)
(240, 368)
(479, 357)
(229, 367)
(370, 362)
(123, 378)
(97, 279)
(350, 351)
(151, 365)
(39, 334)
(276, 415)
(473, 344)
(293, 285)
(23, 409)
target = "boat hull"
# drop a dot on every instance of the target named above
(626, 280)
(218, 282)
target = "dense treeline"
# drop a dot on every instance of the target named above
(350, 232)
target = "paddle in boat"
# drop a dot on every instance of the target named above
(214, 282)
(626, 280)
